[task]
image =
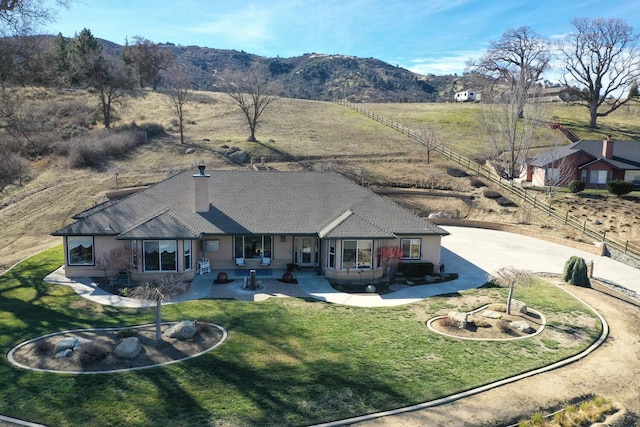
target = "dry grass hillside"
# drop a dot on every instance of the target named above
(295, 135)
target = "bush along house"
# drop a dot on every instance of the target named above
(229, 220)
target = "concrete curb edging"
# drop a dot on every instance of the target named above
(53, 371)
(486, 387)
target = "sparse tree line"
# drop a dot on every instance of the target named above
(32, 127)
(599, 59)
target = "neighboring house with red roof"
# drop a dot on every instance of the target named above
(310, 219)
(594, 162)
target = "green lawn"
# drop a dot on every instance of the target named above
(286, 361)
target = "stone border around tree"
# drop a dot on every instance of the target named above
(70, 331)
(543, 323)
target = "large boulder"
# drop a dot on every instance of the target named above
(239, 156)
(522, 325)
(128, 348)
(182, 331)
(66, 344)
(459, 319)
(64, 353)
(518, 306)
(491, 314)
(80, 342)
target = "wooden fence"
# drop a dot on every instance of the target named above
(587, 228)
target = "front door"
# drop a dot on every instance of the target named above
(304, 251)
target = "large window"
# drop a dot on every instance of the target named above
(410, 248)
(332, 254)
(160, 255)
(598, 177)
(80, 250)
(553, 174)
(187, 255)
(253, 246)
(356, 253)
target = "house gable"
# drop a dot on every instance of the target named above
(619, 158)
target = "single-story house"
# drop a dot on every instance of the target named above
(246, 218)
(594, 162)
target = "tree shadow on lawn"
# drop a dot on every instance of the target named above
(325, 392)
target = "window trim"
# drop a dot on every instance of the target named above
(69, 249)
(160, 269)
(187, 266)
(358, 251)
(265, 252)
(595, 175)
(411, 241)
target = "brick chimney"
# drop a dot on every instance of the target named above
(607, 147)
(201, 181)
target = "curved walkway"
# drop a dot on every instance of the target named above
(473, 253)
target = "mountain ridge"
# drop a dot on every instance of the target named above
(321, 77)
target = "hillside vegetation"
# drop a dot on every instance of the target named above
(296, 135)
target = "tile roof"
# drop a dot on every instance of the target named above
(249, 202)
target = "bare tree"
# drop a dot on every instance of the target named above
(509, 277)
(168, 288)
(20, 17)
(178, 95)
(510, 137)
(518, 59)
(601, 57)
(253, 92)
(118, 260)
(429, 138)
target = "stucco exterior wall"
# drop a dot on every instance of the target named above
(430, 251)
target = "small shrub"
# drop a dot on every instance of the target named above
(125, 292)
(476, 183)
(126, 333)
(202, 327)
(92, 352)
(456, 173)
(416, 269)
(575, 272)
(506, 203)
(448, 322)
(153, 129)
(576, 186)
(44, 348)
(500, 307)
(481, 323)
(619, 187)
(503, 325)
(491, 194)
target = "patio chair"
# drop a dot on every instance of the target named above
(204, 266)
(240, 262)
(265, 262)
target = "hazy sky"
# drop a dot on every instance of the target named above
(425, 36)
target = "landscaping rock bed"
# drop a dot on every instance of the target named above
(110, 350)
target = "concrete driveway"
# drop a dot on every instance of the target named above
(475, 251)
